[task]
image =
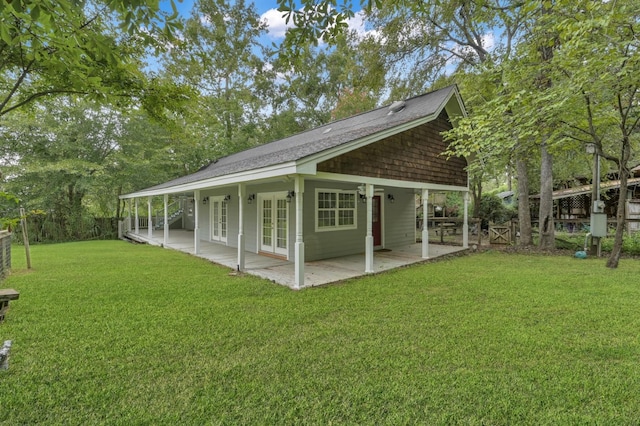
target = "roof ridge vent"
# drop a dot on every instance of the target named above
(397, 106)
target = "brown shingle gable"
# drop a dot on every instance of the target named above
(414, 155)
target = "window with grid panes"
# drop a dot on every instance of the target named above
(335, 209)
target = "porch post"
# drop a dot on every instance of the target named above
(166, 219)
(299, 246)
(128, 209)
(368, 261)
(425, 223)
(150, 226)
(196, 218)
(465, 221)
(241, 194)
(136, 226)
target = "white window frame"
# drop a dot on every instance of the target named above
(337, 226)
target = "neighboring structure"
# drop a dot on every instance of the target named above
(343, 188)
(573, 203)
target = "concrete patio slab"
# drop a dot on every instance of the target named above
(282, 271)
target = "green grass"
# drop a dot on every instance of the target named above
(111, 333)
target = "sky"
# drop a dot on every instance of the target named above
(268, 11)
(266, 8)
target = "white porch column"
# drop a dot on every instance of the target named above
(241, 195)
(368, 260)
(128, 227)
(166, 219)
(465, 221)
(425, 223)
(299, 246)
(196, 218)
(150, 222)
(136, 225)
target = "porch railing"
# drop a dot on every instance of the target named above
(174, 211)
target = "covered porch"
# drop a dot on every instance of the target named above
(281, 271)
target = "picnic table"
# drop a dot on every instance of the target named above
(6, 294)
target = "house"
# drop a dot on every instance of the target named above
(573, 204)
(344, 188)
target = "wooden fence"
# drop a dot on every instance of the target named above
(48, 229)
(5, 253)
(448, 229)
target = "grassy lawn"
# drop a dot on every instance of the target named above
(108, 332)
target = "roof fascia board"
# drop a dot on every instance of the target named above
(389, 182)
(457, 108)
(235, 178)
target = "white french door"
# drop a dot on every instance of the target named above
(218, 215)
(274, 223)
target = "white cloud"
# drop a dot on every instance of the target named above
(276, 23)
(358, 24)
(277, 27)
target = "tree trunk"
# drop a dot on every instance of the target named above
(616, 251)
(524, 208)
(546, 225)
(118, 204)
(623, 173)
(476, 192)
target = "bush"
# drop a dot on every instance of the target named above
(630, 243)
(492, 209)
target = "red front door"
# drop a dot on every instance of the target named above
(376, 221)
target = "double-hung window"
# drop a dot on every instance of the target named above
(335, 209)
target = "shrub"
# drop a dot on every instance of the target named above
(492, 209)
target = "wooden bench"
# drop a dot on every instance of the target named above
(446, 228)
(6, 294)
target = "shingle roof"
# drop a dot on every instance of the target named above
(320, 139)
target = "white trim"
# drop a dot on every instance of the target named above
(299, 243)
(388, 182)
(223, 206)
(275, 197)
(278, 170)
(196, 220)
(425, 222)
(241, 241)
(368, 240)
(336, 227)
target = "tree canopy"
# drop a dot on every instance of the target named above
(91, 47)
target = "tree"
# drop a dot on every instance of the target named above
(72, 159)
(220, 59)
(53, 47)
(319, 84)
(600, 91)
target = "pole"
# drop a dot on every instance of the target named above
(596, 242)
(25, 236)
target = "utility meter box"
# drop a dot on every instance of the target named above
(598, 224)
(598, 206)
